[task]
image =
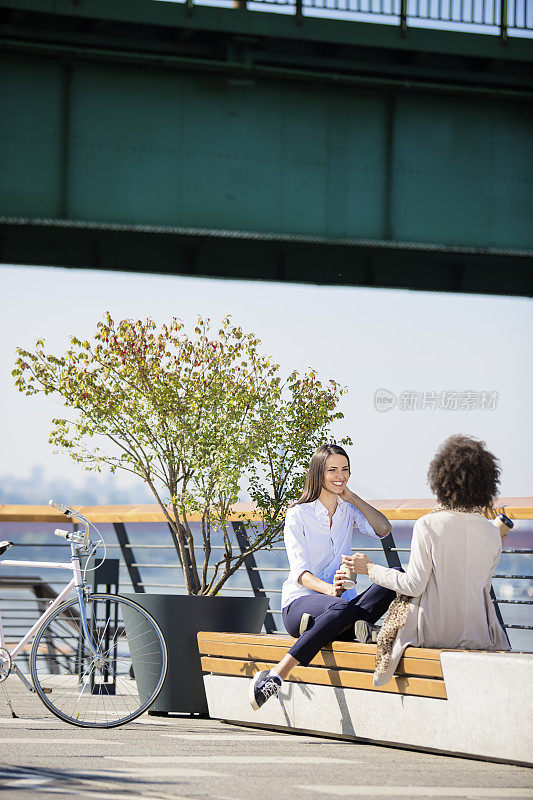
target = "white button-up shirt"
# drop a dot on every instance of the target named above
(313, 546)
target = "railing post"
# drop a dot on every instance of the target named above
(127, 555)
(299, 11)
(254, 576)
(107, 574)
(188, 566)
(504, 10)
(403, 15)
(393, 559)
(499, 614)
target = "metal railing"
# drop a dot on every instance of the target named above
(506, 17)
(251, 579)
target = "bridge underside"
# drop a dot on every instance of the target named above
(237, 255)
(205, 141)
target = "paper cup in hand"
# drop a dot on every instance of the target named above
(348, 583)
(503, 523)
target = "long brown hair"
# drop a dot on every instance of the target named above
(315, 474)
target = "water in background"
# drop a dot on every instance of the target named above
(158, 565)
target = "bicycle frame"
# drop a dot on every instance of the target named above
(76, 583)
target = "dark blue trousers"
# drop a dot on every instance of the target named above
(332, 618)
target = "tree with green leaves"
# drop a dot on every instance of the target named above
(198, 417)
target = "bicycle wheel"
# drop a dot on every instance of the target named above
(99, 690)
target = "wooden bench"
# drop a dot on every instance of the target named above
(450, 701)
(346, 664)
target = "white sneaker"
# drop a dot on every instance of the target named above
(365, 633)
(304, 623)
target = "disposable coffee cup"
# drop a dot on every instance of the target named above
(503, 523)
(348, 583)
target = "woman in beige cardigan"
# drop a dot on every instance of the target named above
(454, 552)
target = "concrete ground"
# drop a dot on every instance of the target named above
(153, 757)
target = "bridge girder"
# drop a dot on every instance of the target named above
(152, 136)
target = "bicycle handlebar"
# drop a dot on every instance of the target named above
(59, 506)
(71, 512)
(72, 536)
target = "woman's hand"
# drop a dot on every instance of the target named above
(334, 589)
(357, 563)
(338, 583)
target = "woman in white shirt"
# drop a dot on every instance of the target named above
(454, 552)
(318, 533)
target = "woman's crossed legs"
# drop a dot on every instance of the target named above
(332, 618)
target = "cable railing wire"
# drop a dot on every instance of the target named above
(12, 618)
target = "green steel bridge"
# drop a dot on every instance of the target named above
(361, 142)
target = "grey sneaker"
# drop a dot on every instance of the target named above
(365, 633)
(263, 686)
(304, 622)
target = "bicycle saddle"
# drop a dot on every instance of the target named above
(5, 545)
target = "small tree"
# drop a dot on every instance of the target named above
(197, 418)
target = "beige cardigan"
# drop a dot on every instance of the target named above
(453, 557)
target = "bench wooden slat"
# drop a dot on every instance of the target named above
(326, 658)
(424, 687)
(285, 642)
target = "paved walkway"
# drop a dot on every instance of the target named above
(42, 757)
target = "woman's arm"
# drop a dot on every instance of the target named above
(334, 589)
(378, 521)
(414, 580)
(295, 544)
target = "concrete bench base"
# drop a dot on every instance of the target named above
(487, 713)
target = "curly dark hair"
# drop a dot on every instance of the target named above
(464, 474)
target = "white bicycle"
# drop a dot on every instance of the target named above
(97, 660)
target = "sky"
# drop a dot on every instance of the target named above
(398, 343)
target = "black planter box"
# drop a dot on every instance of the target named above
(180, 617)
